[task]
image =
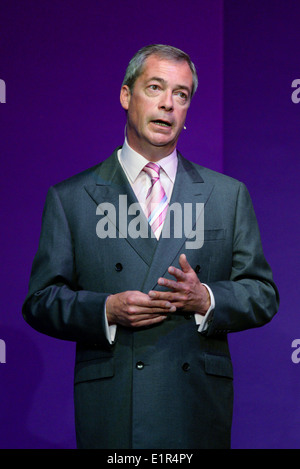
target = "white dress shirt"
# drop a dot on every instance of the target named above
(133, 163)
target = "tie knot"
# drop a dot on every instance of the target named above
(152, 169)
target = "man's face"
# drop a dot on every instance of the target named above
(157, 107)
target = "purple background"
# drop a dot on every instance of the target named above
(262, 148)
(63, 63)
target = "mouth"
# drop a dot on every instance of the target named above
(162, 123)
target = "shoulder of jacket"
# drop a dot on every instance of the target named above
(214, 177)
(84, 177)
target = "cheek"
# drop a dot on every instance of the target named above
(133, 116)
(181, 117)
(139, 113)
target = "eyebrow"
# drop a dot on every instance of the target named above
(161, 80)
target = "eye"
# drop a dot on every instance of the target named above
(183, 96)
(153, 87)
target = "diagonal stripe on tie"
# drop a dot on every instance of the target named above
(156, 199)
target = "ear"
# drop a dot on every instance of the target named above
(125, 96)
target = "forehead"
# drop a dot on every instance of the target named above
(172, 71)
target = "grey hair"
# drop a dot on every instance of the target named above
(136, 64)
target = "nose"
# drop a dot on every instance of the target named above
(166, 102)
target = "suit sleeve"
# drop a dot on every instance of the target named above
(250, 297)
(54, 304)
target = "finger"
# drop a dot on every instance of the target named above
(166, 295)
(183, 262)
(148, 322)
(177, 273)
(174, 285)
(178, 300)
(143, 303)
(164, 282)
(159, 306)
(146, 317)
(142, 319)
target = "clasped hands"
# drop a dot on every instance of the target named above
(137, 309)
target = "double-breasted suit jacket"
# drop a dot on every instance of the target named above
(162, 386)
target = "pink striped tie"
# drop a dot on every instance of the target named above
(156, 199)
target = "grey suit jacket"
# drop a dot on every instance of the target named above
(164, 386)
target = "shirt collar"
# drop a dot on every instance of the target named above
(133, 162)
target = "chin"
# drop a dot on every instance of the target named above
(162, 141)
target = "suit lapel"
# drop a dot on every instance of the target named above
(111, 185)
(189, 188)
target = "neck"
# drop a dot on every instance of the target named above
(151, 152)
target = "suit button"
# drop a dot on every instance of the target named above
(186, 367)
(139, 365)
(197, 269)
(188, 316)
(118, 267)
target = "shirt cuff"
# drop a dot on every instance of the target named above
(203, 321)
(110, 330)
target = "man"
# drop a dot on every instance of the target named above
(148, 306)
